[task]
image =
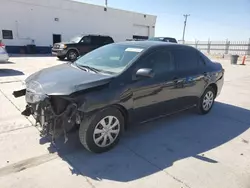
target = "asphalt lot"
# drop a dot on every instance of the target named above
(182, 151)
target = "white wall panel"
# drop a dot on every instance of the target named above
(34, 19)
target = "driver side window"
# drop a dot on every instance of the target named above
(86, 40)
(160, 61)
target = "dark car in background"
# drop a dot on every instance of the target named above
(118, 85)
(79, 45)
(163, 39)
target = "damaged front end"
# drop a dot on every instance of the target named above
(55, 115)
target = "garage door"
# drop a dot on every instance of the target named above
(141, 31)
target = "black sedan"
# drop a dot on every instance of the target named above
(119, 84)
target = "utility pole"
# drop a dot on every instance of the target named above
(106, 3)
(184, 29)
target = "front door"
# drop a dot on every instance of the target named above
(153, 97)
(87, 44)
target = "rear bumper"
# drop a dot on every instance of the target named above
(59, 52)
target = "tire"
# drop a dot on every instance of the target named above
(208, 95)
(95, 122)
(72, 55)
(61, 57)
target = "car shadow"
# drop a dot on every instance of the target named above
(63, 60)
(10, 72)
(152, 147)
(30, 55)
(6, 62)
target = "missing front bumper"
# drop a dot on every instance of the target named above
(54, 116)
(50, 123)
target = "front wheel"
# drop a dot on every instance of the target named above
(72, 55)
(101, 131)
(206, 101)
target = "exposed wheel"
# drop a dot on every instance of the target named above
(72, 55)
(101, 131)
(61, 57)
(206, 101)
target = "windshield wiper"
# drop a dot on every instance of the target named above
(93, 69)
(89, 68)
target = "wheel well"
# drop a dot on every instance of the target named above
(73, 49)
(124, 113)
(214, 86)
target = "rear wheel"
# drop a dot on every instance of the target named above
(101, 131)
(206, 101)
(72, 55)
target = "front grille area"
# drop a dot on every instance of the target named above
(54, 116)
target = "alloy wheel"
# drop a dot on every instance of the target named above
(208, 100)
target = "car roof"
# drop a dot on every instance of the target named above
(94, 35)
(149, 44)
(164, 37)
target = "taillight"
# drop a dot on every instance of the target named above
(2, 45)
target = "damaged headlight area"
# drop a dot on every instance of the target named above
(54, 115)
(34, 97)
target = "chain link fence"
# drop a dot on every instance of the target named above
(222, 47)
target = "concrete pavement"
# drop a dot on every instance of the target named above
(185, 150)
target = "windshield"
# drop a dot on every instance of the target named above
(156, 39)
(113, 58)
(76, 39)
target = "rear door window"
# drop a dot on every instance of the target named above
(205, 58)
(169, 40)
(185, 59)
(202, 61)
(96, 40)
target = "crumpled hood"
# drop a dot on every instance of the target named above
(64, 79)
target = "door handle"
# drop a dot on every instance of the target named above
(178, 82)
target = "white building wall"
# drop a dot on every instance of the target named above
(35, 20)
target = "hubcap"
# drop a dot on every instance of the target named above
(106, 131)
(208, 100)
(72, 55)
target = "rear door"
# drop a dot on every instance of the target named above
(97, 41)
(189, 77)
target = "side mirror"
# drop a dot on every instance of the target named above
(144, 73)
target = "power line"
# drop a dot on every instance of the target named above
(184, 29)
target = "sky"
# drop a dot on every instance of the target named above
(209, 19)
